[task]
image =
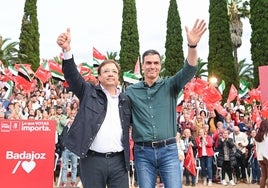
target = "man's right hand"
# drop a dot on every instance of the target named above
(64, 40)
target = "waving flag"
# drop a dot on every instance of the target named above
(222, 86)
(9, 85)
(256, 117)
(243, 89)
(56, 70)
(42, 74)
(211, 95)
(200, 85)
(97, 56)
(232, 93)
(189, 161)
(130, 77)
(25, 71)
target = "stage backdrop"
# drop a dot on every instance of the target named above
(27, 153)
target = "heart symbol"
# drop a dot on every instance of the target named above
(28, 166)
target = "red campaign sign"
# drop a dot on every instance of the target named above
(27, 153)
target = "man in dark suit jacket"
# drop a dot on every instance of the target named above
(100, 132)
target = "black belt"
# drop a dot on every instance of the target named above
(158, 143)
(105, 155)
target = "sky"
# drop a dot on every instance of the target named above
(97, 23)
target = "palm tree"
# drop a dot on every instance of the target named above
(237, 9)
(245, 72)
(9, 54)
(111, 55)
(202, 70)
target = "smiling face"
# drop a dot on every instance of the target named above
(151, 67)
(109, 75)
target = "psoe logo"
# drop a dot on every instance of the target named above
(25, 159)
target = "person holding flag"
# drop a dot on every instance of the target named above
(189, 140)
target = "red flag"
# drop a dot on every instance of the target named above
(22, 83)
(55, 66)
(256, 117)
(42, 74)
(211, 95)
(254, 94)
(232, 93)
(189, 161)
(220, 109)
(200, 85)
(264, 109)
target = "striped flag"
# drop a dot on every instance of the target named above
(25, 70)
(97, 56)
(9, 85)
(131, 77)
(243, 89)
(222, 86)
(56, 70)
(13, 70)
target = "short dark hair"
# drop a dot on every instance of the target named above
(107, 62)
(150, 52)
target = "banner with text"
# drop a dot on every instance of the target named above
(27, 153)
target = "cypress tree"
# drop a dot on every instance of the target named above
(174, 51)
(220, 59)
(29, 36)
(259, 37)
(129, 37)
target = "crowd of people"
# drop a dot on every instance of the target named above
(235, 131)
(221, 141)
(93, 126)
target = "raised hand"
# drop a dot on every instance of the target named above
(194, 35)
(64, 40)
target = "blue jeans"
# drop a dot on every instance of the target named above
(256, 171)
(206, 167)
(187, 177)
(67, 156)
(149, 161)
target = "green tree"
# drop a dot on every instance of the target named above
(220, 59)
(259, 37)
(29, 36)
(9, 53)
(174, 51)
(129, 37)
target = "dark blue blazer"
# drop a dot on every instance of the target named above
(91, 113)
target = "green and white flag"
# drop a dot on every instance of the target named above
(131, 77)
(13, 70)
(222, 86)
(243, 88)
(9, 85)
